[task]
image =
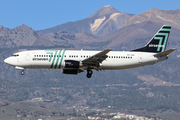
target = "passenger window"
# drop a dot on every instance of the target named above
(34, 55)
(39, 55)
(69, 56)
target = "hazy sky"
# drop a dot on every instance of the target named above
(42, 14)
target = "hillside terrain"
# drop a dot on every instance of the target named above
(154, 90)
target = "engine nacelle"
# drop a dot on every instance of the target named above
(72, 64)
(66, 71)
(70, 71)
(71, 67)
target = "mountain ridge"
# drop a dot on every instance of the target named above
(134, 29)
(97, 23)
(155, 15)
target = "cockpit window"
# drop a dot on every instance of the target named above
(15, 55)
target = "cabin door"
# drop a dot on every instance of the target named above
(27, 56)
(140, 58)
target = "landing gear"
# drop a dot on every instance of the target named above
(89, 73)
(22, 72)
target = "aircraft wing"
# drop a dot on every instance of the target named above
(97, 58)
(165, 53)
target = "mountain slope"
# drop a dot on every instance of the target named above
(139, 29)
(104, 21)
(19, 36)
(158, 16)
(23, 35)
(137, 35)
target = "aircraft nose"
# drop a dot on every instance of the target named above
(7, 61)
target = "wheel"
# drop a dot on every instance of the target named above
(90, 72)
(88, 75)
(22, 72)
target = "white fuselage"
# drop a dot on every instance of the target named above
(55, 59)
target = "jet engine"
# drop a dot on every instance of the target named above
(71, 67)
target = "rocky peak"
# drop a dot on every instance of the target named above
(1, 27)
(104, 11)
(154, 10)
(24, 27)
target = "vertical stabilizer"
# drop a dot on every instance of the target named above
(158, 42)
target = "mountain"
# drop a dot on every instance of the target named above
(104, 21)
(139, 29)
(25, 36)
(137, 35)
(158, 16)
(121, 31)
(19, 36)
(152, 88)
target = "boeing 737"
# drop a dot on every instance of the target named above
(76, 61)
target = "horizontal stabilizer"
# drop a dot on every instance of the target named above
(165, 53)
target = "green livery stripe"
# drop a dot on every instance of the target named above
(165, 29)
(51, 53)
(54, 59)
(165, 42)
(166, 37)
(61, 59)
(57, 59)
(166, 25)
(160, 41)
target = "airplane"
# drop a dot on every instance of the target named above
(76, 61)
